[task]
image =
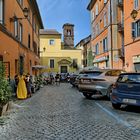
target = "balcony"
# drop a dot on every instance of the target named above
(120, 3)
(120, 27)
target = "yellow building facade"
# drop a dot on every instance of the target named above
(54, 55)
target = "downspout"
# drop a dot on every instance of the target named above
(111, 34)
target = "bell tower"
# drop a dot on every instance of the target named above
(68, 33)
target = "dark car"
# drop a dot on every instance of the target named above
(126, 90)
(72, 79)
(98, 82)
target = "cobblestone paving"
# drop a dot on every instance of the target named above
(61, 113)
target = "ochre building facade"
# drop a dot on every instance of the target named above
(132, 35)
(107, 35)
(19, 36)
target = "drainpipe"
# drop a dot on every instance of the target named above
(111, 34)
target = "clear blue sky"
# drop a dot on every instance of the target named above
(55, 13)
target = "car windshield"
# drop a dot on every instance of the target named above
(129, 78)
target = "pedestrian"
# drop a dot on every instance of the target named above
(28, 85)
(57, 78)
(51, 79)
(21, 88)
(16, 78)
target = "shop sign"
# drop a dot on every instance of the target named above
(136, 59)
(104, 58)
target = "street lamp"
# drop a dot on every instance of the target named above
(25, 12)
(134, 14)
(44, 49)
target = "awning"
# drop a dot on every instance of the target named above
(39, 67)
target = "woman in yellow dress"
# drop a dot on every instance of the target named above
(21, 88)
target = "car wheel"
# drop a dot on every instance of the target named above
(116, 106)
(87, 95)
(109, 91)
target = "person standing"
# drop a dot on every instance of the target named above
(57, 78)
(21, 88)
(28, 85)
(16, 78)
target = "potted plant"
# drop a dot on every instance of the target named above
(5, 90)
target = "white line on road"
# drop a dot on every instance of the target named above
(118, 118)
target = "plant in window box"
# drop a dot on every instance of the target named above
(5, 90)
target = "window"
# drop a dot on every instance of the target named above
(136, 29)
(105, 20)
(92, 16)
(97, 29)
(75, 63)
(93, 32)
(51, 63)
(96, 9)
(105, 1)
(1, 12)
(68, 32)
(51, 42)
(20, 32)
(16, 28)
(97, 48)
(105, 49)
(20, 2)
(136, 4)
(16, 66)
(29, 41)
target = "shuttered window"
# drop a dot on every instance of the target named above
(1, 11)
(96, 9)
(16, 28)
(136, 4)
(51, 63)
(136, 29)
(97, 48)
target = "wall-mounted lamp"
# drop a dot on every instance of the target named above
(25, 12)
(127, 64)
(134, 14)
(44, 49)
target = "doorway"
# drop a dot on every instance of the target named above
(64, 69)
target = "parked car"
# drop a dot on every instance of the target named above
(72, 79)
(126, 90)
(98, 82)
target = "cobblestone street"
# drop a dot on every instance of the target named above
(62, 113)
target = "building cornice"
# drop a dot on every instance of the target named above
(91, 4)
(37, 12)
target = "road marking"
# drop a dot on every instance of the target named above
(118, 118)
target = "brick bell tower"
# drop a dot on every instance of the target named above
(68, 33)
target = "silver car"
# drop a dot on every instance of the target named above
(98, 82)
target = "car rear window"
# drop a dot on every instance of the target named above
(114, 73)
(93, 73)
(129, 78)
